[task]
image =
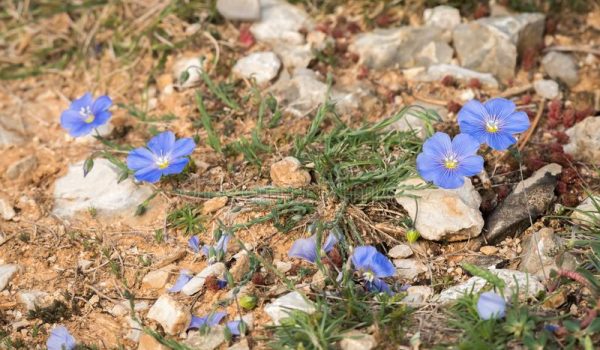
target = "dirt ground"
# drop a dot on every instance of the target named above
(120, 250)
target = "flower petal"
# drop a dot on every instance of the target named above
(140, 158)
(475, 129)
(176, 166)
(470, 166)
(499, 107)
(101, 104)
(234, 327)
(428, 166)
(437, 145)
(210, 320)
(491, 305)
(464, 145)
(70, 119)
(379, 285)
(330, 242)
(101, 118)
(84, 101)
(500, 140)
(60, 339)
(473, 112)
(382, 266)
(196, 322)
(194, 244)
(183, 147)
(361, 256)
(162, 144)
(82, 130)
(182, 280)
(222, 243)
(304, 248)
(449, 179)
(150, 174)
(515, 123)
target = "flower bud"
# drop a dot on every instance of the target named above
(491, 305)
(412, 235)
(248, 302)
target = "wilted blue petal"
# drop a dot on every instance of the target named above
(222, 243)
(234, 327)
(182, 280)
(304, 248)
(379, 285)
(221, 283)
(194, 244)
(205, 250)
(330, 242)
(209, 321)
(60, 339)
(491, 305)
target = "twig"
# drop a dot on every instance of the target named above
(574, 48)
(170, 259)
(521, 144)
(516, 90)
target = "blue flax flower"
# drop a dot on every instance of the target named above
(446, 162)
(494, 122)
(306, 248)
(60, 339)
(182, 280)
(163, 156)
(373, 266)
(491, 305)
(208, 321)
(84, 114)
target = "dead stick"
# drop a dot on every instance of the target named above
(538, 116)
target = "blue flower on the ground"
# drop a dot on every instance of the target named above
(194, 244)
(373, 266)
(182, 280)
(84, 114)
(494, 122)
(60, 339)
(208, 321)
(491, 305)
(163, 156)
(446, 162)
(306, 248)
(235, 327)
(216, 252)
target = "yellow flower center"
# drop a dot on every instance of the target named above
(492, 126)
(86, 112)
(162, 162)
(450, 162)
(369, 276)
